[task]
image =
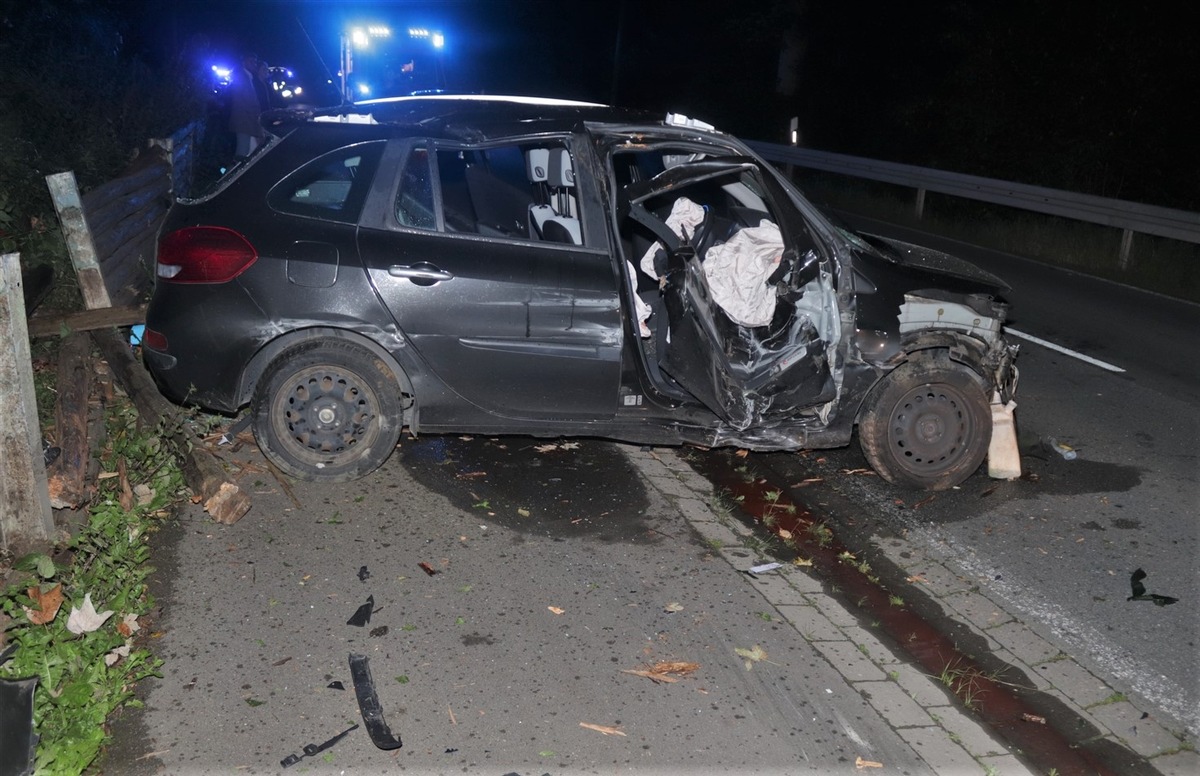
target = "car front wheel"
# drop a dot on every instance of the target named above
(327, 411)
(927, 424)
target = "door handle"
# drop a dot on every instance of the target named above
(422, 273)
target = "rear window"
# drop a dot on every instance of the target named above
(332, 187)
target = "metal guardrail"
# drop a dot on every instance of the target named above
(1130, 217)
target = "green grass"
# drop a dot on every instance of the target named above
(108, 562)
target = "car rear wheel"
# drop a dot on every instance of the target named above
(327, 411)
(927, 424)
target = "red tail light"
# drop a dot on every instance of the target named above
(204, 254)
(154, 340)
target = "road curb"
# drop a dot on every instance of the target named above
(822, 620)
(912, 703)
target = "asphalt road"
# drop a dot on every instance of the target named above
(1059, 548)
(554, 570)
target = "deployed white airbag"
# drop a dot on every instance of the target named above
(737, 272)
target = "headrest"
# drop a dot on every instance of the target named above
(537, 164)
(561, 172)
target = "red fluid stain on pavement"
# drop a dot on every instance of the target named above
(993, 702)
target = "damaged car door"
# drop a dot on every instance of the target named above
(748, 295)
(518, 319)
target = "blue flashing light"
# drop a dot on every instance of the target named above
(364, 90)
(438, 40)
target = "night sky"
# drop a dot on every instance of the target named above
(1086, 96)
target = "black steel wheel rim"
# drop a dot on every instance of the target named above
(930, 428)
(323, 412)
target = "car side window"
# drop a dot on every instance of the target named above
(518, 191)
(414, 201)
(332, 187)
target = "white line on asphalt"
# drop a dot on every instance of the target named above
(1067, 351)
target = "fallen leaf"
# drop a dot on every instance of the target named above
(860, 763)
(545, 448)
(47, 603)
(86, 619)
(556, 610)
(128, 625)
(809, 481)
(919, 577)
(784, 534)
(607, 730)
(523, 512)
(755, 654)
(742, 453)
(1033, 718)
(673, 607)
(664, 671)
(112, 657)
(569, 446)
(798, 561)
(430, 570)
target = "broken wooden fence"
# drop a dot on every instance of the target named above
(110, 233)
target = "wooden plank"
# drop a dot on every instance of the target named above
(68, 485)
(221, 496)
(135, 225)
(117, 213)
(25, 516)
(136, 177)
(67, 204)
(52, 325)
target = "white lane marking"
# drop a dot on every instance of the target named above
(1066, 351)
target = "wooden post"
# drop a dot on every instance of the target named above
(69, 488)
(1126, 249)
(25, 514)
(65, 194)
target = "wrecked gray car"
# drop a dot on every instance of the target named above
(549, 268)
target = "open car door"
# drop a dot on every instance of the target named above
(749, 304)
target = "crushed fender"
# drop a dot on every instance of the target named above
(368, 704)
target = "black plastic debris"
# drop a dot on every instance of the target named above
(362, 615)
(363, 574)
(310, 750)
(382, 630)
(336, 685)
(18, 742)
(1140, 594)
(368, 704)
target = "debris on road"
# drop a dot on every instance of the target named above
(368, 704)
(755, 654)
(764, 568)
(336, 684)
(860, 763)
(1066, 451)
(556, 610)
(362, 615)
(311, 750)
(665, 671)
(673, 607)
(607, 730)
(363, 574)
(1034, 718)
(1139, 591)
(430, 570)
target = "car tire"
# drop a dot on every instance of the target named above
(927, 424)
(327, 411)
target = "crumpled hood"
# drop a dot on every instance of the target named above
(932, 260)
